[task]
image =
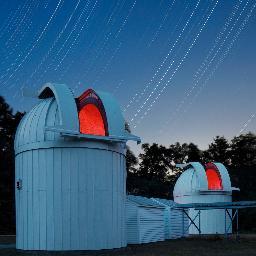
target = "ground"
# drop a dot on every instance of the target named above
(210, 246)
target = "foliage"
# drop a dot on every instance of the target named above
(243, 149)
(8, 125)
(218, 151)
(156, 174)
(154, 163)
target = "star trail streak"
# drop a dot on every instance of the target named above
(206, 64)
(170, 63)
(175, 70)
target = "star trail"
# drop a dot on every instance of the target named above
(181, 70)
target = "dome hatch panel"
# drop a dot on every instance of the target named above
(91, 121)
(213, 177)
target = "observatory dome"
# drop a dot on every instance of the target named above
(209, 183)
(196, 178)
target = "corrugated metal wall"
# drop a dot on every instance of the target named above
(145, 223)
(151, 225)
(176, 222)
(71, 199)
(132, 229)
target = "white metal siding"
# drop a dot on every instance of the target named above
(151, 225)
(144, 221)
(178, 224)
(71, 198)
(132, 227)
(167, 222)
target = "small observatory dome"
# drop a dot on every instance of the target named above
(209, 183)
(70, 172)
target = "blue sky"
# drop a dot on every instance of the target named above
(181, 70)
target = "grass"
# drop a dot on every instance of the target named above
(194, 246)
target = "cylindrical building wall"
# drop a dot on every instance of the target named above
(71, 198)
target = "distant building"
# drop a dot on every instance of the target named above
(208, 183)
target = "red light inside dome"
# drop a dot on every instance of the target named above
(91, 121)
(214, 179)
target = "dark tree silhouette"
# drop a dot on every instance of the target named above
(178, 153)
(243, 150)
(131, 163)
(8, 125)
(218, 151)
(243, 175)
(154, 163)
(183, 153)
(150, 178)
(157, 174)
(194, 154)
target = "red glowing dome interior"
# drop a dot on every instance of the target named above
(214, 179)
(91, 121)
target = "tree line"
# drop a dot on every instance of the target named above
(153, 173)
(8, 125)
(156, 165)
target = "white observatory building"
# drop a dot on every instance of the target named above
(209, 183)
(70, 172)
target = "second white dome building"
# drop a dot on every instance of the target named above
(209, 183)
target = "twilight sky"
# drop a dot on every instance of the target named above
(181, 70)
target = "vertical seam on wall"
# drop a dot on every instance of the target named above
(112, 183)
(38, 197)
(29, 116)
(70, 192)
(87, 172)
(49, 103)
(32, 192)
(52, 200)
(47, 207)
(78, 199)
(55, 119)
(79, 192)
(26, 194)
(46, 104)
(61, 174)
